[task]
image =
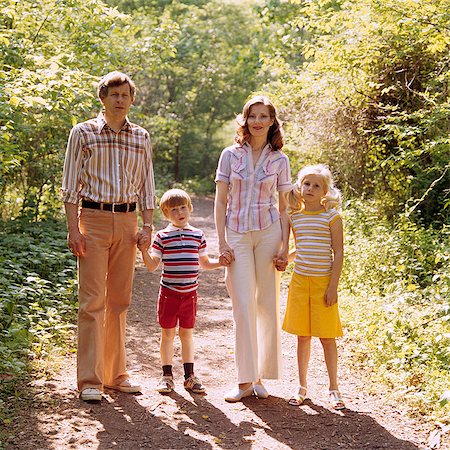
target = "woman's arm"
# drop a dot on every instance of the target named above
(282, 207)
(220, 208)
(281, 257)
(337, 244)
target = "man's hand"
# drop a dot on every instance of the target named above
(144, 239)
(76, 243)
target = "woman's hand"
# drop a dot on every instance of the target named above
(280, 261)
(226, 254)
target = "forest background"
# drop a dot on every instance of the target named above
(362, 86)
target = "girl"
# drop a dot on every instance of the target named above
(312, 308)
(253, 177)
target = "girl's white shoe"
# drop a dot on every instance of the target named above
(236, 394)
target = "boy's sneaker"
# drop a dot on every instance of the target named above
(194, 385)
(165, 385)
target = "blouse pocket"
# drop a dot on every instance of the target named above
(267, 174)
(238, 171)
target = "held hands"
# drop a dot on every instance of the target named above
(225, 259)
(144, 239)
(226, 254)
(281, 261)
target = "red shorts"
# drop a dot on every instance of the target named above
(176, 307)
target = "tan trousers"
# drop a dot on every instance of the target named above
(105, 276)
(253, 284)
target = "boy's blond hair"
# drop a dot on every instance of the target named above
(332, 197)
(174, 197)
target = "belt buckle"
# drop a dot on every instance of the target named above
(113, 206)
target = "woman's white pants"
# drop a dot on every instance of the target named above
(253, 284)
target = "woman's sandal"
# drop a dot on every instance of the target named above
(337, 402)
(297, 397)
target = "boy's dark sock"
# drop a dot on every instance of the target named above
(167, 371)
(188, 370)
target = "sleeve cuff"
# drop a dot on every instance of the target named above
(224, 178)
(285, 187)
(69, 196)
(147, 203)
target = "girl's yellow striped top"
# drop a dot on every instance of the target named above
(313, 251)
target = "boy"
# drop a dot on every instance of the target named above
(182, 249)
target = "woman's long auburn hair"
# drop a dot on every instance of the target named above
(275, 136)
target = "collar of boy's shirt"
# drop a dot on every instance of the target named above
(172, 227)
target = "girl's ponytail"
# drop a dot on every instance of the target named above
(332, 199)
(294, 199)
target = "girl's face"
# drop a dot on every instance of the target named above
(312, 190)
(259, 120)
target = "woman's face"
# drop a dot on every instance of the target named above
(259, 120)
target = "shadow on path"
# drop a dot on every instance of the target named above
(319, 428)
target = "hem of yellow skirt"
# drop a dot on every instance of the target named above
(300, 333)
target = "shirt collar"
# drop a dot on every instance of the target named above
(268, 147)
(171, 227)
(101, 123)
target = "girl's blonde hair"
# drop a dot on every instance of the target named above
(172, 198)
(332, 197)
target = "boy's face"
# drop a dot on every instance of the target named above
(178, 215)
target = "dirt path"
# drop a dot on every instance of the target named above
(57, 419)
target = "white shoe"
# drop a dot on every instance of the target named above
(91, 395)
(260, 391)
(128, 386)
(237, 394)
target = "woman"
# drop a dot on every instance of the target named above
(253, 235)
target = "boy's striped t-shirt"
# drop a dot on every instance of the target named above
(179, 250)
(313, 251)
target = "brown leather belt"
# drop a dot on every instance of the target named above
(113, 207)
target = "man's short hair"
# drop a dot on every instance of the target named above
(113, 79)
(174, 197)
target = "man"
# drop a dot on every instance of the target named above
(108, 166)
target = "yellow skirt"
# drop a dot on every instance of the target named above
(307, 313)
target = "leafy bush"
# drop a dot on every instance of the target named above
(396, 302)
(38, 296)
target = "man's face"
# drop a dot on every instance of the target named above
(118, 101)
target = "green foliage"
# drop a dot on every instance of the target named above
(396, 291)
(47, 75)
(371, 98)
(38, 297)
(186, 102)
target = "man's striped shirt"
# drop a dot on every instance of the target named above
(104, 166)
(313, 251)
(179, 249)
